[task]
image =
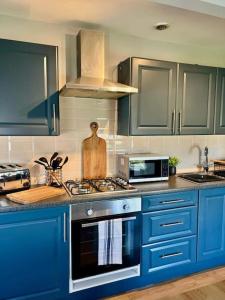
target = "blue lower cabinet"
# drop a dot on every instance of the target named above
(169, 224)
(34, 254)
(211, 228)
(168, 255)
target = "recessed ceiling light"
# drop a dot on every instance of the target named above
(162, 26)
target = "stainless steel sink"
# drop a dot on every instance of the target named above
(201, 178)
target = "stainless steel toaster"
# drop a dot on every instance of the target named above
(13, 178)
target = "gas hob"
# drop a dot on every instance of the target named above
(106, 185)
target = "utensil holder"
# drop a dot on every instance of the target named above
(50, 179)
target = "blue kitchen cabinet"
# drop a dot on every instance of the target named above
(169, 229)
(152, 110)
(220, 103)
(29, 89)
(34, 255)
(211, 224)
(172, 98)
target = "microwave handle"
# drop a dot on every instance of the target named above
(96, 223)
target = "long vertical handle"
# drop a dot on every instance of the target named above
(54, 117)
(173, 122)
(180, 122)
(64, 227)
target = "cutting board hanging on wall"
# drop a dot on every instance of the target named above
(94, 155)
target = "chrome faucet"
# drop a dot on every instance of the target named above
(205, 164)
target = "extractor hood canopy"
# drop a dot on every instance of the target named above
(91, 82)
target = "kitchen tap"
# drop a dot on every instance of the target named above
(205, 164)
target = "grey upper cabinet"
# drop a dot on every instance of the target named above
(29, 89)
(173, 98)
(152, 110)
(220, 103)
(196, 99)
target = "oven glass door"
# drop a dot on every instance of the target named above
(84, 248)
(145, 169)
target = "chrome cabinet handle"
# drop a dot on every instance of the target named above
(96, 223)
(171, 255)
(64, 227)
(173, 121)
(54, 117)
(172, 201)
(180, 122)
(172, 224)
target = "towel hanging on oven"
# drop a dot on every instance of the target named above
(110, 242)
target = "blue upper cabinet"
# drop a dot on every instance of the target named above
(34, 254)
(152, 110)
(172, 98)
(220, 103)
(196, 99)
(29, 89)
(211, 231)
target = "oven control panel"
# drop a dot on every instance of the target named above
(104, 208)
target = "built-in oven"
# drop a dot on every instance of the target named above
(105, 242)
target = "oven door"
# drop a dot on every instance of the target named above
(144, 170)
(84, 247)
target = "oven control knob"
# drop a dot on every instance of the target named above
(126, 207)
(90, 212)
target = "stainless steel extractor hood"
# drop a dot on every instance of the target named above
(91, 82)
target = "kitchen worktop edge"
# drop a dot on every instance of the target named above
(175, 184)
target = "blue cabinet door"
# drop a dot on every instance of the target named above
(220, 103)
(29, 89)
(196, 99)
(34, 254)
(211, 230)
(152, 110)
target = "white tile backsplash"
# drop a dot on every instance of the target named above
(76, 115)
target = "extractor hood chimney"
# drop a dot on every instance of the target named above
(91, 82)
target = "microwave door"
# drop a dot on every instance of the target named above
(141, 169)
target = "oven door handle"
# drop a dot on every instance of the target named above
(96, 223)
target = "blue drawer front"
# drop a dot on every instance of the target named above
(170, 254)
(169, 224)
(169, 200)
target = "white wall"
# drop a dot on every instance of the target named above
(76, 114)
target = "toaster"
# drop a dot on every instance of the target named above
(13, 178)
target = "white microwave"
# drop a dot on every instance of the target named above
(143, 167)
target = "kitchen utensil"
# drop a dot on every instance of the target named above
(65, 161)
(94, 155)
(44, 160)
(41, 163)
(35, 194)
(56, 162)
(54, 155)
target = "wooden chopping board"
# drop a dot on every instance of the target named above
(94, 155)
(35, 194)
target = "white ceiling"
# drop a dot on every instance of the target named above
(202, 22)
(209, 7)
